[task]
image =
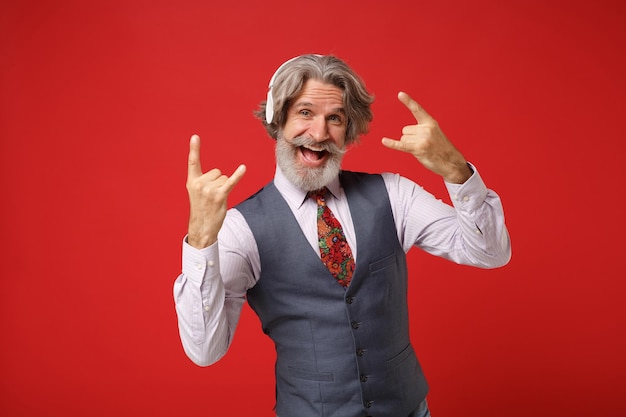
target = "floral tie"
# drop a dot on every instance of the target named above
(334, 248)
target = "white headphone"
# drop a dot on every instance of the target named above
(269, 104)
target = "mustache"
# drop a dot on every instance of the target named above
(328, 145)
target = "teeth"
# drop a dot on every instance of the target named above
(314, 149)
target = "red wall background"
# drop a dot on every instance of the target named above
(98, 101)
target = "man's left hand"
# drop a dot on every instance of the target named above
(426, 142)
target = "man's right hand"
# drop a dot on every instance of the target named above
(207, 198)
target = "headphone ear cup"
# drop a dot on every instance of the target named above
(269, 107)
(269, 104)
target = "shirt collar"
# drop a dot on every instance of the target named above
(296, 196)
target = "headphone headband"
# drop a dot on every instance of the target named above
(269, 104)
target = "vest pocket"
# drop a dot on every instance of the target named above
(404, 380)
(397, 360)
(383, 263)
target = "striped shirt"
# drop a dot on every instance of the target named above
(210, 291)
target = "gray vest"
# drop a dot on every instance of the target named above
(340, 352)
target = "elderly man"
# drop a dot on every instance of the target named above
(320, 253)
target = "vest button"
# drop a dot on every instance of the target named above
(364, 378)
(349, 300)
(360, 352)
(368, 404)
(355, 325)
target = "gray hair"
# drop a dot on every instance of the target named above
(290, 78)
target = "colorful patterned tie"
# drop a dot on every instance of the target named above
(334, 248)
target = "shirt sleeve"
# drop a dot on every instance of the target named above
(210, 291)
(471, 232)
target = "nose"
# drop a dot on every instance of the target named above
(319, 129)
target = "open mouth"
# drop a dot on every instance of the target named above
(312, 155)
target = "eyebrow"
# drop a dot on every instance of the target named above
(309, 104)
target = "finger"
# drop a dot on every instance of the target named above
(214, 174)
(235, 178)
(411, 129)
(394, 144)
(418, 111)
(194, 169)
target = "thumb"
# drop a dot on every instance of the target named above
(235, 177)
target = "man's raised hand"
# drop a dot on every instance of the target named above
(208, 194)
(429, 145)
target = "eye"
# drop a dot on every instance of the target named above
(305, 113)
(335, 118)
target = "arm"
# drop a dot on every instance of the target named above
(207, 313)
(210, 292)
(473, 231)
(200, 296)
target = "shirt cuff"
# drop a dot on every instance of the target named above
(199, 262)
(470, 195)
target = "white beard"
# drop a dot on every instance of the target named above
(304, 177)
